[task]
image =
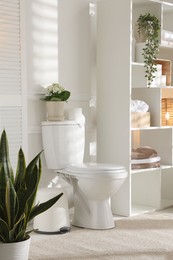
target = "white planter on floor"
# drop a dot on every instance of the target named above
(15, 251)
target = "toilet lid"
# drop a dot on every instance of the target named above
(97, 169)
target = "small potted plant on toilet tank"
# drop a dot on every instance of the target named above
(55, 96)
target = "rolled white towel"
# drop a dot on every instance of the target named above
(148, 160)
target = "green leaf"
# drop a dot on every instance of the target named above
(31, 166)
(26, 194)
(3, 184)
(27, 191)
(3, 212)
(11, 199)
(4, 231)
(21, 170)
(4, 156)
(31, 199)
(65, 95)
(18, 230)
(38, 209)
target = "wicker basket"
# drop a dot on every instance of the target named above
(167, 111)
(166, 70)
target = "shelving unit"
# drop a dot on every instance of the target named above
(153, 187)
(121, 79)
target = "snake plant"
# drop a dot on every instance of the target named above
(17, 194)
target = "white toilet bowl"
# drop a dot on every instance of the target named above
(93, 185)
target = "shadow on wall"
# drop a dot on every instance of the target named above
(44, 39)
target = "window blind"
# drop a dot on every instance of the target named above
(11, 75)
(10, 48)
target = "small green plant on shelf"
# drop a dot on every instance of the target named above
(149, 26)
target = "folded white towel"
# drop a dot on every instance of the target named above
(139, 106)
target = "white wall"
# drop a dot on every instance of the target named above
(59, 49)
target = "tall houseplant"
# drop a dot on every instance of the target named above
(149, 26)
(17, 195)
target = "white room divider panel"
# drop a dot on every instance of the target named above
(11, 81)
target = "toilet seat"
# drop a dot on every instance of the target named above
(97, 170)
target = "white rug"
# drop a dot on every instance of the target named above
(144, 237)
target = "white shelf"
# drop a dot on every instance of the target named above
(166, 46)
(138, 171)
(137, 64)
(165, 203)
(141, 209)
(151, 128)
(163, 167)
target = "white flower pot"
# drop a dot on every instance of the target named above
(138, 53)
(55, 110)
(15, 251)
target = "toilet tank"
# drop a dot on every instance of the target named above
(63, 143)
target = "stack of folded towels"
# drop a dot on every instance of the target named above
(144, 157)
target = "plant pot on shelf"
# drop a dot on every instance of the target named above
(139, 52)
(15, 251)
(55, 110)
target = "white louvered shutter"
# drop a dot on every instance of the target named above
(11, 89)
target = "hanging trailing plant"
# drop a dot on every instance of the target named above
(149, 26)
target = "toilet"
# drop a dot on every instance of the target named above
(93, 183)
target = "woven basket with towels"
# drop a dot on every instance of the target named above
(144, 157)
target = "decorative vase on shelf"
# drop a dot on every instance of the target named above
(55, 110)
(139, 52)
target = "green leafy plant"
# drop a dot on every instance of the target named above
(149, 25)
(56, 92)
(17, 194)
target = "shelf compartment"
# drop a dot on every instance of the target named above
(167, 107)
(166, 69)
(152, 189)
(160, 140)
(152, 96)
(167, 111)
(146, 188)
(160, 101)
(166, 188)
(139, 81)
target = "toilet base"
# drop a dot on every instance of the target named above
(93, 214)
